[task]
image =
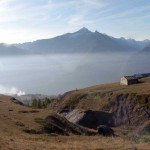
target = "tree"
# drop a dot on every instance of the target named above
(47, 101)
(39, 104)
(34, 103)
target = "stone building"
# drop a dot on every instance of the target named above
(128, 80)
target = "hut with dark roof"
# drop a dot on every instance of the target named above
(128, 80)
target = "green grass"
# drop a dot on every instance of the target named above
(50, 127)
(40, 121)
(138, 139)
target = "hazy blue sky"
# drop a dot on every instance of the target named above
(28, 20)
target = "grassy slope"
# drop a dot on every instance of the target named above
(141, 88)
(100, 96)
(12, 136)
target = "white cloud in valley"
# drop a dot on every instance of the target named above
(6, 90)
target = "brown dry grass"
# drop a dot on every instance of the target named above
(45, 142)
(12, 136)
(142, 88)
(100, 96)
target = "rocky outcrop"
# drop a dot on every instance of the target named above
(131, 109)
(126, 109)
(55, 123)
(89, 118)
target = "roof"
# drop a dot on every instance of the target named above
(142, 75)
(130, 77)
(146, 74)
(138, 75)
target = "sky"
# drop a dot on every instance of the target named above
(29, 20)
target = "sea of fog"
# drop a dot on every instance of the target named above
(56, 74)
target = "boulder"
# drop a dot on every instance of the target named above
(54, 123)
(89, 118)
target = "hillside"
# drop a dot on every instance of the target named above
(24, 128)
(83, 41)
(91, 96)
(123, 105)
(21, 125)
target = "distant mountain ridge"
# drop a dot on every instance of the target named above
(6, 50)
(146, 49)
(81, 41)
(27, 99)
(84, 41)
(139, 62)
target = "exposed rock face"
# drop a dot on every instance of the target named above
(105, 131)
(121, 110)
(90, 119)
(127, 109)
(55, 123)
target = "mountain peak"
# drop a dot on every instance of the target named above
(84, 30)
